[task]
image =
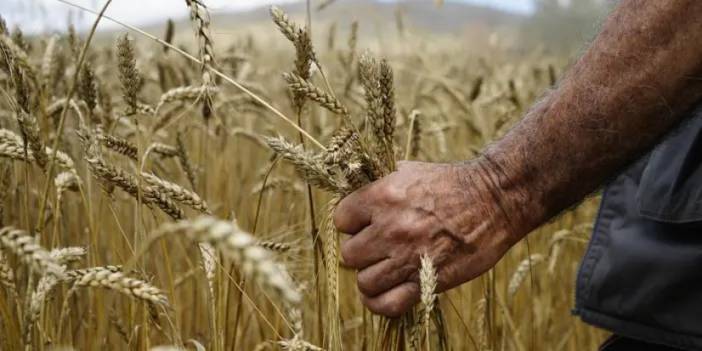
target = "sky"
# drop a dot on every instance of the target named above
(42, 15)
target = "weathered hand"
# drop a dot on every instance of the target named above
(453, 213)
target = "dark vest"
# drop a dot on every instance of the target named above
(642, 274)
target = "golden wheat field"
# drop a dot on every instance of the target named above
(176, 194)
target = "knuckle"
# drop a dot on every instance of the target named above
(390, 193)
(365, 284)
(347, 254)
(339, 219)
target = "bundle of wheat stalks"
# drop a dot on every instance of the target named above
(197, 190)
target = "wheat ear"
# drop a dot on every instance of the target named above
(177, 193)
(241, 248)
(7, 278)
(127, 182)
(521, 272)
(11, 146)
(128, 74)
(301, 86)
(30, 133)
(118, 145)
(26, 248)
(17, 57)
(427, 284)
(113, 278)
(307, 166)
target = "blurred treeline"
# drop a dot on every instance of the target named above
(566, 24)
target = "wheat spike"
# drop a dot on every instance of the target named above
(127, 182)
(68, 255)
(66, 181)
(521, 272)
(310, 91)
(118, 145)
(36, 303)
(201, 20)
(7, 278)
(128, 74)
(286, 26)
(162, 150)
(111, 277)
(274, 246)
(298, 344)
(17, 57)
(11, 145)
(387, 99)
(241, 248)
(26, 248)
(307, 166)
(369, 71)
(343, 143)
(87, 87)
(427, 284)
(49, 63)
(414, 139)
(177, 193)
(30, 134)
(187, 93)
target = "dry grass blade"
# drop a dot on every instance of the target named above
(185, 162)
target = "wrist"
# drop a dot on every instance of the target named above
(510, 206)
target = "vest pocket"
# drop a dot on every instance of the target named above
(671, 184)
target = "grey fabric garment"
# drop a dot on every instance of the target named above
(642, 274)
(618, 343)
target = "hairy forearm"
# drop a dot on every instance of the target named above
(634, 83)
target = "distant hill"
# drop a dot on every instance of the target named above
(377, 21)
(452, 17)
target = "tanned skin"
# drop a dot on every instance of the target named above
(634, 84)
